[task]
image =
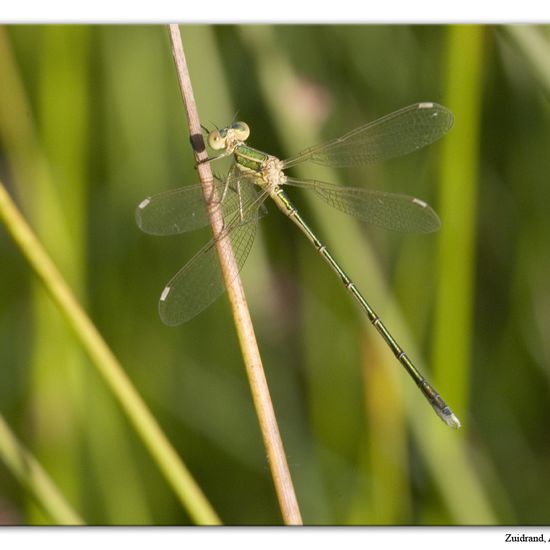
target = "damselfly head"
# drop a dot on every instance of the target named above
(228, 138)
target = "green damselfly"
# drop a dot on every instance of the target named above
(256, 175)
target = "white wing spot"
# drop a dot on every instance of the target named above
(144, 203)
(420, 203)
(425, 105)
(165, 293)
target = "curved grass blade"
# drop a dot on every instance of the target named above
(391, 136)
(391, 211)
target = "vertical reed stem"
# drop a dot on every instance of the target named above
(243, 323)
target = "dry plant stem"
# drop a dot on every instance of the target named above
(143, 421)
(245, 331)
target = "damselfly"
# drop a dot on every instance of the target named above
(256, 175)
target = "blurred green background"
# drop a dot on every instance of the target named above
(91, 122)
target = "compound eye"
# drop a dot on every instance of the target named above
(241, 130)
(216, 141)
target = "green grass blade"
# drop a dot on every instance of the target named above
(276, 74)
(458, 207)
(30, 473)
(534, 46)
(144, 423)
(30, 168)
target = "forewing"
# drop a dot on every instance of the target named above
(184, 209)
(175, 211)
(391, 136)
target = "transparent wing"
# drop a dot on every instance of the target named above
(184, 209)
(200, 281)
(386, 210)
(175, 211)
(393, 135)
